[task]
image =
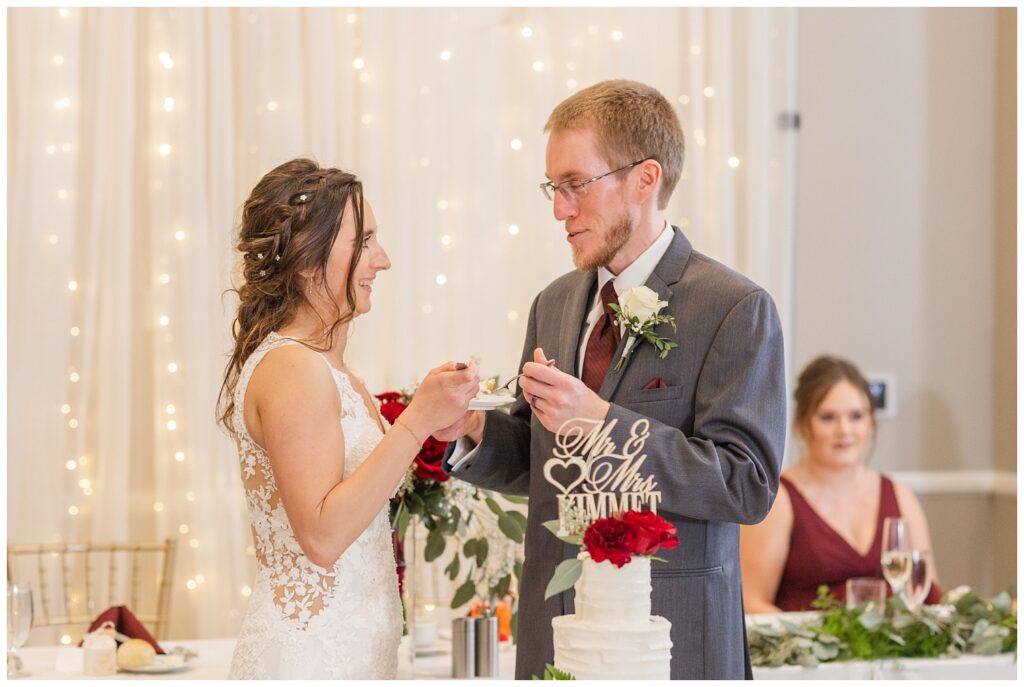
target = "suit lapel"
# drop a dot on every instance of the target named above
(576, 306)
(666, 274)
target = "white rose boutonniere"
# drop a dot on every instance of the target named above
(639, 310)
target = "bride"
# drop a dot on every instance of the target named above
(318, 464)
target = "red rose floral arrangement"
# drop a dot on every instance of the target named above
(453, 510)
(616, 540)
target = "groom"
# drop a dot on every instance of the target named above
(716, 403)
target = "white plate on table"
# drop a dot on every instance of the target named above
(164, 663)
(490, 401)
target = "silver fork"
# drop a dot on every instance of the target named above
(506, 388)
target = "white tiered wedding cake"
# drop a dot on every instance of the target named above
(613, 635)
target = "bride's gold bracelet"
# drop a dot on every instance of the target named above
(407, 428)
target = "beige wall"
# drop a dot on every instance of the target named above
(905, 246)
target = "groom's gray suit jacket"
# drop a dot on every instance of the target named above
(717, 434)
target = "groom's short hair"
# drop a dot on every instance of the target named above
(631, 121)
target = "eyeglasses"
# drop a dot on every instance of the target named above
(574, 189)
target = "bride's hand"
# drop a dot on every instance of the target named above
(442, 398)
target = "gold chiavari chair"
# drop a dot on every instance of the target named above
(73, 583)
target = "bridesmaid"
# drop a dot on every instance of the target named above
(826, 524)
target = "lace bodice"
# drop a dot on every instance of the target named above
(350, 603)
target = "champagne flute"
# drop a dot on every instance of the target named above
(919, 579)
(895, 554)
(19, 623)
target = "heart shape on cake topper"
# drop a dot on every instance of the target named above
(566, 464)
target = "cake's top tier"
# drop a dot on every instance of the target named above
(618, 596)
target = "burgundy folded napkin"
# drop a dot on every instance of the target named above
(127, 624)
(656, 383)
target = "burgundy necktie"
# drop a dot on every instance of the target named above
(603, 341)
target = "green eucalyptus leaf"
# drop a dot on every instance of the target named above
(435, 545)
(501, 589)
(464, 593)
(566, 575)
(510, 528)
(493, 505)
(453, 568)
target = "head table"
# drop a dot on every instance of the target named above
(214, 658)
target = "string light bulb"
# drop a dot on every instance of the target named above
(441, 280)
(526, 32)
(358, 63)
(446, 55)
(73, 423)
(169, 104)
(513, 229)
(180, 456)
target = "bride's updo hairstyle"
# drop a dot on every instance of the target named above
(289, 224)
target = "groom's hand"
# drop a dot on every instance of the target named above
(557, 397)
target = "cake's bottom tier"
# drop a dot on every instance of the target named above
(598, 651)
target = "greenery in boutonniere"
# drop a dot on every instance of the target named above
(639, 310)
(966, 624)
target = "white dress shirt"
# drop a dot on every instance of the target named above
(636, 274)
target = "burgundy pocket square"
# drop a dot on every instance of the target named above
(656, 383)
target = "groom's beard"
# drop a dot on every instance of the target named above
(614, 240)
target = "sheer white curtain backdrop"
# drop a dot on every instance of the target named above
(136, 134)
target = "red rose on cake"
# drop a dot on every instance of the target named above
(620, 537)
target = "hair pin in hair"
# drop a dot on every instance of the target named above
(277, 258)
(303, 197)
(263, 273)
(259, 256)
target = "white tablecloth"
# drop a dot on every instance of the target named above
(215, 657)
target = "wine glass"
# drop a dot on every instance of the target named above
(19, 623)
(919, 579)
(895, 554)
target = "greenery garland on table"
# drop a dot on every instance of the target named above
(966, 624)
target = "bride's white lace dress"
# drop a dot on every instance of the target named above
(305, 621)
